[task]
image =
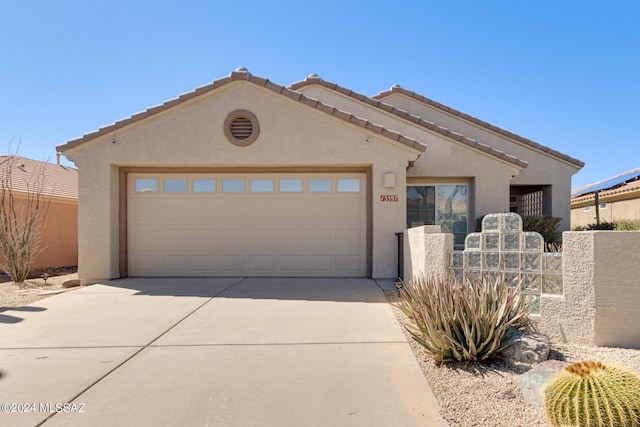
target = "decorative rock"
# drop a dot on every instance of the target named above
(530, 383)
(71, 283)
(526, 347)
(506, 393)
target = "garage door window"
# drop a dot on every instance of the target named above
(348, 185)
(233, 185)
(175, 185)
(291, 186)
(319, 185)
(146, 185)
(204, 185)
(262, 186)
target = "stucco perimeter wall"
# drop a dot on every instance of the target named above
(426, 252)
(192, 135)
(542, 168)
(601, 290)
(59, 234)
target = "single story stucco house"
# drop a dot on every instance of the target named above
(245, 177)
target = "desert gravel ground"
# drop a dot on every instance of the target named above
(34, 290)
(483, 395)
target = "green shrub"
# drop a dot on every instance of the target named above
(627, 224)
(547, 226)
(620, 225)
(602, 226)
(593, 394)
(463, 320)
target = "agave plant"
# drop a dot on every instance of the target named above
(463, 320)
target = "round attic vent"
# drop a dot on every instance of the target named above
(241, 127)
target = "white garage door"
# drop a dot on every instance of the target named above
(284, 224)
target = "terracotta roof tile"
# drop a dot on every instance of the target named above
(314, 79)
(481, 123)
(243, 74)
(58, 181)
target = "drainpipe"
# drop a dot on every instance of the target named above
(400, 238)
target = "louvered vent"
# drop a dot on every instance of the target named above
(241, 128)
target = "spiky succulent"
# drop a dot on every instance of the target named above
(593, 394)
(464, 320)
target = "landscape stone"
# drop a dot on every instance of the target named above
(526, 347)
(71, 283)
(531, 382)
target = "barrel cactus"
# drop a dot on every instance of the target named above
(593, 394)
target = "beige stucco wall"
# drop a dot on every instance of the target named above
(542, 168)
(191, 134)
(601, 291)
(446, 161)
(426, 253)
(616, 210)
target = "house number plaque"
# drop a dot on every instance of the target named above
(388, 197)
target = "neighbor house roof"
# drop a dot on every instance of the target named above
(314, 79)
(57, 180)
(241, 74)
(623, 185)
(478, 122)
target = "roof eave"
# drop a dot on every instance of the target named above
(396, 89)
(244, 75)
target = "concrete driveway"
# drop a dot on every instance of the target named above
(212, 352)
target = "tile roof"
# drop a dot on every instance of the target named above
(59, 181)
(481, 123)
(315, 80)
(241, 74)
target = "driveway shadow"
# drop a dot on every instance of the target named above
(307, 289)
(6, 318)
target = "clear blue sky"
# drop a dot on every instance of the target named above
(565, 74)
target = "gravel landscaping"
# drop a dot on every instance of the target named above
(35, 289)
(484, 394)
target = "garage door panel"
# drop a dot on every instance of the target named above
(262, 239)
(348, 213)
(202, 238)
(348, 263)
(234, 239)
(175, 263)
(320, 264)
(233, 263)
(159, 211)
(320, 237)
(298, 233)
(262, 264)
(206, 263)
(291, 263)
(159, 237)
(292, 211)
(289, 238)
(349, 237)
